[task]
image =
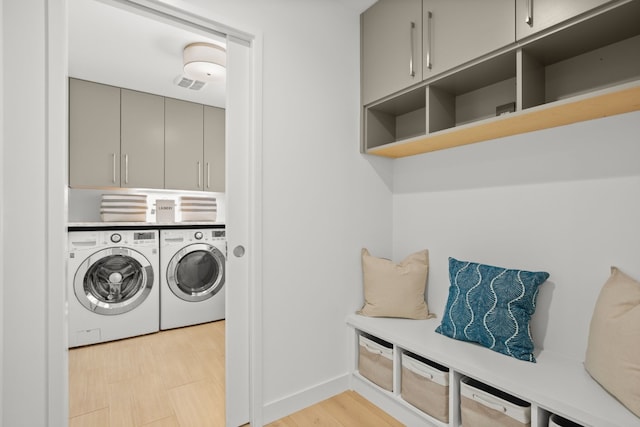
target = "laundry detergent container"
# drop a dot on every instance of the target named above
(425, 385)
(375, 361)
(484, 406)
(558, 421)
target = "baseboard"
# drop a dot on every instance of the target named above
(280, 408)
(390, 404)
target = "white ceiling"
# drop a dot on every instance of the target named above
(111, 45)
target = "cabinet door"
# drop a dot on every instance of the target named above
(94, 134)
(391, 47)
(142, 140)
(183, 145)
(457, 31)
(214, 149)
(536, 15)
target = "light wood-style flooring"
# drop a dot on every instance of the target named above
(175, 378)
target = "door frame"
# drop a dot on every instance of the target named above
(57, 189)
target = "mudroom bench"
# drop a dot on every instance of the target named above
(553, 385)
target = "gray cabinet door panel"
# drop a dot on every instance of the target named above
(142, 140)
(94, 134)
(214, 149)
(183, 145)
(387, 41)
(536, 15)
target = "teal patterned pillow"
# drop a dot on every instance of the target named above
(491, 306)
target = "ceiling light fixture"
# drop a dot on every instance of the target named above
(205, 61)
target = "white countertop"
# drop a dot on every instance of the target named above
(100, 224)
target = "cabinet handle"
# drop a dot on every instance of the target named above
(412, 71)
(208, 175)
(529, 19)
(126, 168)
(429, 18)
(199, 175)
(113, 162)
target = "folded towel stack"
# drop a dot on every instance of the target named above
(124, 207)
(198, 208)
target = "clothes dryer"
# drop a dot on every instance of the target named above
(193, 265)
(113, 285)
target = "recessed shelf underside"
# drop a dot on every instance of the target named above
(604, 103)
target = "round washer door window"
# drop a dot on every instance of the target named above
(113, 281)
(196, 272)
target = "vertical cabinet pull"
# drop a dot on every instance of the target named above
(412, 71)
(529, 19)
(126, 168)
(208, 175)
(199, 175)
(113, 162)
(429, 18)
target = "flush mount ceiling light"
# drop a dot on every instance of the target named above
(205, 61)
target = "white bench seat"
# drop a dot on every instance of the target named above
(553, 385)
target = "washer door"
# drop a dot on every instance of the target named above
(113, 281)
(196, 272)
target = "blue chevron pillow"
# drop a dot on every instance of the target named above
(491, 306)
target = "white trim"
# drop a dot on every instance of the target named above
(56, 119)
(288, 405)
(58, 364)
(2, 204)
(163, 12)
(255, 238)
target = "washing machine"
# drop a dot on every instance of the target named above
(192, 264)
(113, 285)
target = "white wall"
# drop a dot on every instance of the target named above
(322, 200)
(562, 200)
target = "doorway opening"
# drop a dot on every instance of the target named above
(242, 180)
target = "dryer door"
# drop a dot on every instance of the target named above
(113, 281)
(196, 272)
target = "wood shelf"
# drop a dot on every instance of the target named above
(621, 99)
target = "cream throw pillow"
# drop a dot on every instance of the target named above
(395, 290)
(613, 351)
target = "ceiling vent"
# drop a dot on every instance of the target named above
(188, 83)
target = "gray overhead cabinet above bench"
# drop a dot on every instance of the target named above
(130, 139)
(438, 74)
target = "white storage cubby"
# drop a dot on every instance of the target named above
(375, 361)
(483, 405)
(554, 386)
(558, 421)
(425, 385)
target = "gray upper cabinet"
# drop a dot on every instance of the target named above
(457, 31)
(94, 134)
(183, 145)
(142, 140)
(536, 15)
(214, 149)
(391, 47)
(130, 139)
